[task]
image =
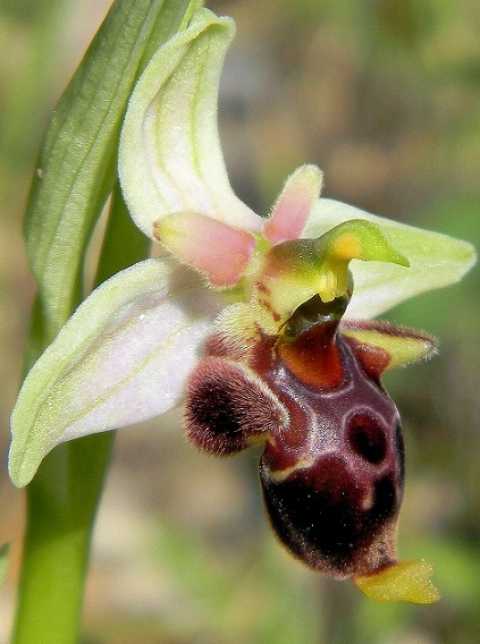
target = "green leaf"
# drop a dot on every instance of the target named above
(76, 167)
(170, 158)
(124, 356)
(436, 260)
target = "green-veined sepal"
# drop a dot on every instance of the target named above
(170, 157)
(435, 260)
(123, 357)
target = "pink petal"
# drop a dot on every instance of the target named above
(217, 250)
(293, 206)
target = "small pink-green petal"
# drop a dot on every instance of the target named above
(218, 251)
(291, 210)
(123, 357)
(435, 260)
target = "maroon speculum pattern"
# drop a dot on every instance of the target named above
(333, 480)
(333, 465)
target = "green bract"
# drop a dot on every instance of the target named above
(126, 353)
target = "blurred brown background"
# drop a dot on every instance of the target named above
(385, 96)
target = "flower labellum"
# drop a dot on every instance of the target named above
(253, 323)
(332, 469)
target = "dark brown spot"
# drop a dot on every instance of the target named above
(367, 438)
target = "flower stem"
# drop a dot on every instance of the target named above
(61, 506)
(63, 497)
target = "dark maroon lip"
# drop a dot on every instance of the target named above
(332, 468)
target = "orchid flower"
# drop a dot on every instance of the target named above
(252, 323)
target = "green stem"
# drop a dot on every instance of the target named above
(57, 542)
(63, 497)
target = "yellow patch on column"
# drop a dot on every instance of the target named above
(346, 247)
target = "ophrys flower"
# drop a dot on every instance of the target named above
(252, 333)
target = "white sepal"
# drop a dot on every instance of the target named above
(436, 260)
(123, 357)
(170, 158)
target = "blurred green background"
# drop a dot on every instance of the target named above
(385, 96)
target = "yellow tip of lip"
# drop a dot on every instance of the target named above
(406, 581)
